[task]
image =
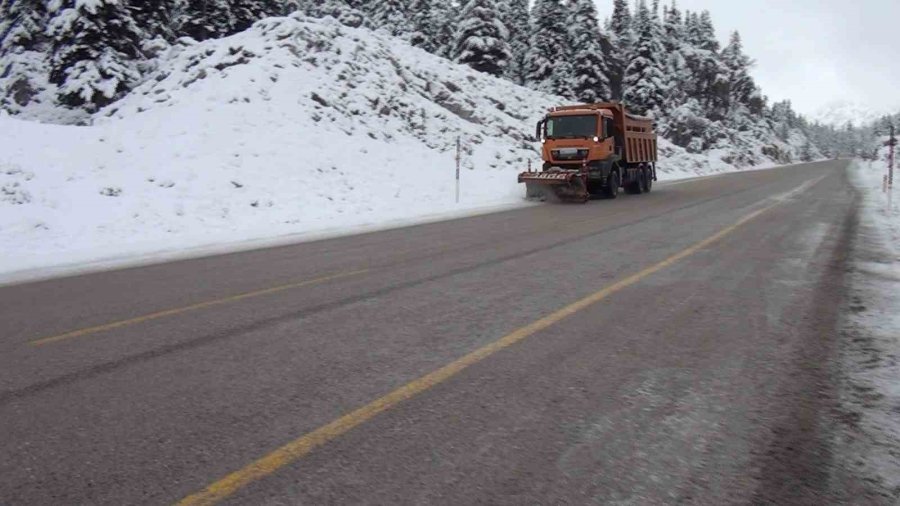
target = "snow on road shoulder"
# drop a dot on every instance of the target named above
(871, 350)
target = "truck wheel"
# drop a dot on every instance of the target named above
(612, 185)
(647, 180)
(636, 185)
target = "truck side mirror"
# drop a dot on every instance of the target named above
(537, 130)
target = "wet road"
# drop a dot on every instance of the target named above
(655, 349)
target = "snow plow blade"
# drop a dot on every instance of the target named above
(567, 186)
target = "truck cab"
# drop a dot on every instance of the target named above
(570, 137)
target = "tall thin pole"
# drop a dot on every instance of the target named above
(458, 155)
(892, 142)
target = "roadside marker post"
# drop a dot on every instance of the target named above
(458, 156)
(892, 142)
(888, 184)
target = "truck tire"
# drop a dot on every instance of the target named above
(612, 185)
(635, 187)
(647, 180)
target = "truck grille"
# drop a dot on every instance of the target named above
(569, 154)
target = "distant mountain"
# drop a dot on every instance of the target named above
(839, 113)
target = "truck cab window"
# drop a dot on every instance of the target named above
(572, 127)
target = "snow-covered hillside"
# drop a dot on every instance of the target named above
(295, 126)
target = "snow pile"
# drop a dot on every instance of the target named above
(295, 126)
(872, 333)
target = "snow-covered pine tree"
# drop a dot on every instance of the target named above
(445, 14)
(686, 125)
(673, 29)
(154, 17)
(700, 32)
(337, 9)
(783, 118)
(806, 152)
(620, 22)
(621, 38)
(590, 71)
(390, 15)
(288, 7)
(95, 47)
(480, 40)
(247, 12)
(685, 122)
(707, 33)
(689, 29)
(677, 72)
(515, 17)
(22, 24)
(23, 53)
(708, 82)
(203, 19)
(425, 25)
(742, 89)
(850, 140)
(209, 19)
(362, 5)
(823, 137)
(548, 62)
(645, 81)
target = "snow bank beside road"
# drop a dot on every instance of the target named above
(295, 126)
(871, 351)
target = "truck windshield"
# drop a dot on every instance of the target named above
(571, 127)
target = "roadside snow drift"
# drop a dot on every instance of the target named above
(295, 126)
(871, 352)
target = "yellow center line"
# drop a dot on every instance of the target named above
(193, 307)
(301, 446)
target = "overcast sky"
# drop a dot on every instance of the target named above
(813, 51)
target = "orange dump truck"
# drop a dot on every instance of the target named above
(593, 150)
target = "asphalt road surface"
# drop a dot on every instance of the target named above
(675, 347)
